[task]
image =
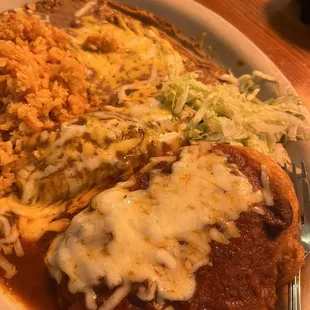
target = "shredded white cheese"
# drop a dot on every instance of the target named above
(9, 242)
(85, 8)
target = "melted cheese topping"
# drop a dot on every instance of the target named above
(35, 220)
(138, 53)
(149, 112)
(159, 236)
(78, 151)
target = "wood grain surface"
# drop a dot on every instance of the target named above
(274, 26)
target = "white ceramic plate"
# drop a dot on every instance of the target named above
(230, 46)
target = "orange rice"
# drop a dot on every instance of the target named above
(41, 85)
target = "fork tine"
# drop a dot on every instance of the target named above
(294, 178)
(292, 174)
(303, 170)
(296, 292)
(290, 296)
(305, 194)
(294, 297)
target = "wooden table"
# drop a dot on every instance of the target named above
(274, 26)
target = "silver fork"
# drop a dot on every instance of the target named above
(301, 186)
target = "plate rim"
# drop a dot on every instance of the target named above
(218, 27)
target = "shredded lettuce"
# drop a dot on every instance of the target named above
(232, 113)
